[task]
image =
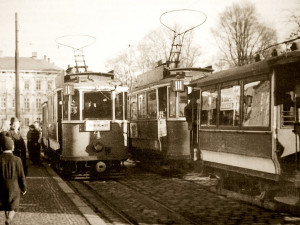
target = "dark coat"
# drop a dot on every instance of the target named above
(12, 181)
(33, 145)
(20, 147)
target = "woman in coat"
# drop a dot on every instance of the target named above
(12, 179)
(19, 143)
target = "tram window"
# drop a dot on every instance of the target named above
(66, 107)
(133, 107)
(152, 104)
(172, 104)
(182, 97)
(119, 106)
(142, 109)
(230, 106)
(256, 103)
(162, 96)
(75, 106)
(209, 107)
(97, 105)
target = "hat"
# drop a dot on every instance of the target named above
(7, 143)
(13, 119)
(31, 126)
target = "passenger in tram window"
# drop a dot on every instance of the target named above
(288, 109)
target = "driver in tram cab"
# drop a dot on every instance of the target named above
(90, 109)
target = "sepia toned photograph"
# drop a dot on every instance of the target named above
(149, 112)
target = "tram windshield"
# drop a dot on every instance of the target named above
(97, 105)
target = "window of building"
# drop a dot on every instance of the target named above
(26, 84)
(230, 105)
(152, 105)
(209, 107)
(142, 106)
(38, 104)
(26, 103)
(38, 119)
(3, 103)
(256, 103)
(26, 120)
(13, 102)
(38, 84)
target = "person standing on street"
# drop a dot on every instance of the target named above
(19, 143)
(37, 153)
(12, 179)
(33, 145)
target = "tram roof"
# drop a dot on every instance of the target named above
(254, 69)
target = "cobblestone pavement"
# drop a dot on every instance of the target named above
(192, 201)
(45, 203)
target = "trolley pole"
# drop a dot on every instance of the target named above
(17, 88)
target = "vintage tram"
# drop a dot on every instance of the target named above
(158, 131)
(248, 122)
(84, 126)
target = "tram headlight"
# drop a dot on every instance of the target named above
(98, 146)
(100, 167)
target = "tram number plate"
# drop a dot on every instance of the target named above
(95, 125)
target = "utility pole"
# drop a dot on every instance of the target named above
(17, 88)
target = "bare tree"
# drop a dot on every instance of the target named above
(124, 66)
(144, 56)
(294, 18)
(239, 34)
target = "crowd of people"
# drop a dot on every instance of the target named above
(13, 164)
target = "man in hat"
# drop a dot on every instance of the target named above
(20, 147)
(12, 179)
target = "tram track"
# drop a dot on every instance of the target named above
(101, 206)
(129, 204)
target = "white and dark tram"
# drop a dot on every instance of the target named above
(248, 123)
(85, 127)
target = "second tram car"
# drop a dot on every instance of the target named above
(84, 126)
(158, 131)
(248, 120)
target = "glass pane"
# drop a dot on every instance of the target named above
(182, 103)
(209, 107)
(65, 107)
(152, 105)
(133, 108)
(172, 104)
(75, 106)
(230, 106)
(162, 95)
(119, 106)
(142, 110)
(256, 103)
(97, 105)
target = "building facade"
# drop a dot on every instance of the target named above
(37, 78)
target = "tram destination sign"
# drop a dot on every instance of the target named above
(177, 85)
(97, 125)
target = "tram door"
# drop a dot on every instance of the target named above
(287, 90)
(191, 117)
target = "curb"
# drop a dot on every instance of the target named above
(91, 217)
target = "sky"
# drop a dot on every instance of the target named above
(115, 25)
